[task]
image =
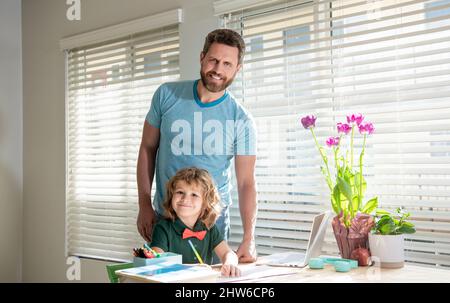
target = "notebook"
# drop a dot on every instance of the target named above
(314, 247)
(168, 272)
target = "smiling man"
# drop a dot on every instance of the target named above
(199, 123)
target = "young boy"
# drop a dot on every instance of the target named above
(191, 207)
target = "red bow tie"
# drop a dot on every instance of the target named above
(187, 233)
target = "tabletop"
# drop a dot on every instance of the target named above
(367, 274)
(252, 273)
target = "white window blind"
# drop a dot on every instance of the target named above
(109, 90)
(390, 61)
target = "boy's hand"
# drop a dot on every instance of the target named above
(230, 270)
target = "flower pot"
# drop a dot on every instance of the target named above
(354, 237)
(387, 250)
(348, 243)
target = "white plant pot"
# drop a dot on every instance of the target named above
(387, 251)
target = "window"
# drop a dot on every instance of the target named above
(110, 85)
(389, 60)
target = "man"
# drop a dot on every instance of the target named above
(198, 123)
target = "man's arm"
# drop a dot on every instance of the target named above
(145, 171)
(245, 177)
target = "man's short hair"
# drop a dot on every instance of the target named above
(228, 37)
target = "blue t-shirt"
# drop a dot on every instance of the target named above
(204, 135)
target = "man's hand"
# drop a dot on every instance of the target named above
(145, 222)
(246, 252)
(248, 207)
(144, 175)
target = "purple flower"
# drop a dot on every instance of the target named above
(309, 121)
(366, 128)
(343, 128)
(333, 141)
(355, 118)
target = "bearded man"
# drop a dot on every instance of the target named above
(198, 123)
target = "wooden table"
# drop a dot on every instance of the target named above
(373, 274)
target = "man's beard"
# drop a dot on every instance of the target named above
(213, 87)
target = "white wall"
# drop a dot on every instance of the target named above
(10, 141)
(44, 24)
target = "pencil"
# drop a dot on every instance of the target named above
(154, 252)
(151, 250)
(195, 252)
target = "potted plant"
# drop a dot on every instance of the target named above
(347, 186)
(386, 240)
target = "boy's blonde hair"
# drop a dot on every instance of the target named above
(211, 201)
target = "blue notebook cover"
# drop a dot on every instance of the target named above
(170, 268)
(170, 272)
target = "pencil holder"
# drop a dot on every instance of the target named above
(164, 257)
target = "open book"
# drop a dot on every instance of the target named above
(167, 272)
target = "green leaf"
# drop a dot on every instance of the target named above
(336, 200)
(355, 203)
(387, 228)
(349, 177)
(346, 214)
(341, 172)
(381, 212)
(334, 205)
(384, 220)
(408, 224)
(370, 206)
(344, 204)
(406, 229)
(346, 190)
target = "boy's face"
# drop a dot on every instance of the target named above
(187, 200)
(219, 66)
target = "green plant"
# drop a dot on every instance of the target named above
(387, 223)
(347, 185)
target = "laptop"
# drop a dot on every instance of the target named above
(314, 247)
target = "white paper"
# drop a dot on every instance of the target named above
(257, 272)
(293, 259)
